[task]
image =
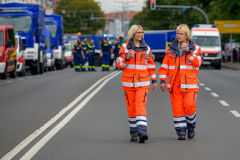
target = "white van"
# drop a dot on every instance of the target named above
(207, 37)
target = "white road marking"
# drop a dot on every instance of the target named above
(208, 89)
(35, 134)
(9, 82)
(224, 103)
(214, 94)
(235, 113)
(49, 135)
(21, 79)
(201, 84)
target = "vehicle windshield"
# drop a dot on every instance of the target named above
(1, 38)
(20, 23)
(47, 42)
(67, 48)
(52, 28)
(206, 41)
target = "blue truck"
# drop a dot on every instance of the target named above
(55, 25)
(49, 49)
(158, 41)
(98, 40)
(28, 22)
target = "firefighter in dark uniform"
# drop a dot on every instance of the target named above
(78, 56)
(91, 53)
(116, 50)
(84, 47)
(106, 50)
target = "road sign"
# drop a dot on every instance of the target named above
(228, 26)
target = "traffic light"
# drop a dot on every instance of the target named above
(153, 4)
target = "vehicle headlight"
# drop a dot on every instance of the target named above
(48, 55)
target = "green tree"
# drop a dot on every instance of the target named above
(76, 16)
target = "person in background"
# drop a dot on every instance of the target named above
(121, 41)
(181, 65)
(135, 58)
(235, 55)
(116, 50)
(228, 55)
(105, 54)
(223, 55)
(79, 56)
(91, 53)
(84, 47)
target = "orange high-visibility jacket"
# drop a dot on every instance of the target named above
(188, 64)
(138, 70)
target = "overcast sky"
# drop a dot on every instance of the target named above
(114, 5)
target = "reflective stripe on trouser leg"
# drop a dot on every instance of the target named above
(190, 99)
(136, 101)
(177, 100)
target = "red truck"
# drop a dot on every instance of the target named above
(8, 60)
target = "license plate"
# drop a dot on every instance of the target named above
(206, 62)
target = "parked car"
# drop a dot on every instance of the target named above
(8, 60)
(21, 69)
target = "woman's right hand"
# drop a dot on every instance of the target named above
(163, 86)
(130, 54)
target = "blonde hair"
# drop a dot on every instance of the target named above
(185, 28)
(133, 29)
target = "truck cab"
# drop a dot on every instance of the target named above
(8, 60)
(54, 23)
(49, 49)
(207, 37)
(28, 22)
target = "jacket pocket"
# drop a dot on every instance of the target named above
(191, 78)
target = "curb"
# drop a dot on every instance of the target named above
(230, 67)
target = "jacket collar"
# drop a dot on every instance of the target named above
(143, 45)
(174, 47)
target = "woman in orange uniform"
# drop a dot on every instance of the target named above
(135, 58)
(181, 64)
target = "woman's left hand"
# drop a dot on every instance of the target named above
(154, 87)
(185, 48)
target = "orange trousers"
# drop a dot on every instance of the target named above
(136, 101)
(183, 106)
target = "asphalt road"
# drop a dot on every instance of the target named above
(68, 115)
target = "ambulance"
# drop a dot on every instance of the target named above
(207, 37)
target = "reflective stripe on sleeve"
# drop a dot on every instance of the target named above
(200, 60)
(162, 76)
(187, 67)
(164, 66)
(122, 64)
(148, 50)
(141, 84)
(126, 84)
(168, 85)
(119, 59)
(153, 76)
(197, 48)
(192, 57)
(189, 86)
(171, 67)
(125, 47)
(151, 66)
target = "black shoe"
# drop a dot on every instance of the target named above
(142, 137)
(181, 137)
(190, 134)
(134, 138)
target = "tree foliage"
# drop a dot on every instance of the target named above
(76, 16)
(169, 18)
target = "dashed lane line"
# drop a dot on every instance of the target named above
(214, 94)
(208, 89)
(224, 103)
(235, 113)
(35, 134)
(9, 82)
(201, 84)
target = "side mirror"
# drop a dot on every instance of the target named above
(23, 47)
(53, 46)
(9, 43)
